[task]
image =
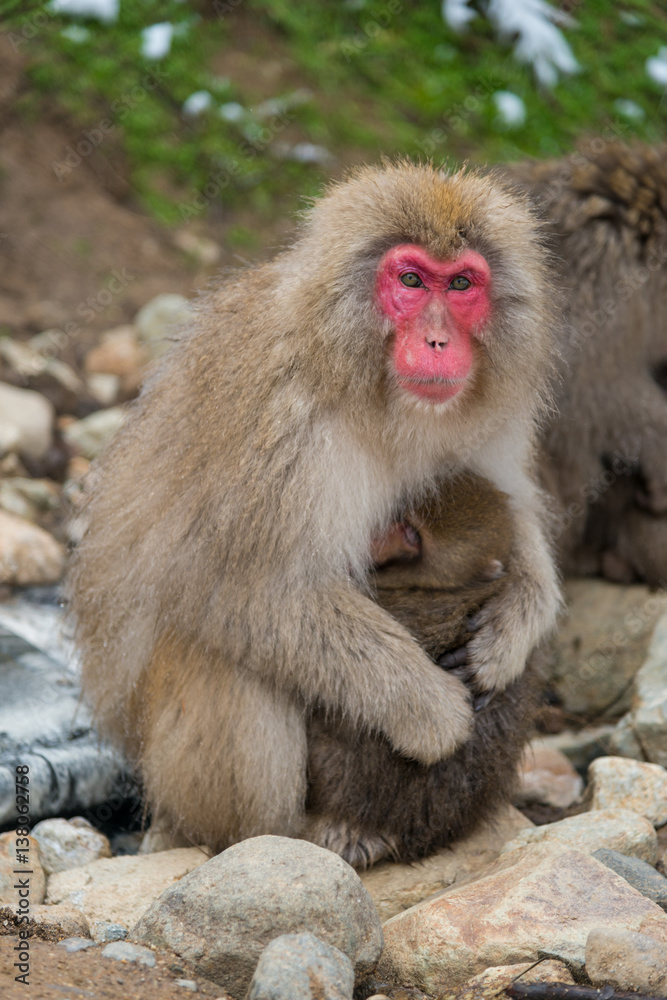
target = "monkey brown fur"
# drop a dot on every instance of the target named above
(219, 590)
(364, 800)
(606, 452)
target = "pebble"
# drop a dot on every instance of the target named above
(493, 982)
(547, 777)
(119, 353)
(26, 421)
(73, 944)
(626, 960)
(123, 951)
(106, 930)
(90, 435)
(616, 829)
(29, 556)
(187, 984)
(300, 967)
(641, 876)
(28, 498)
(220, 918)
(621, 783)
(158, 323)
(65, 844)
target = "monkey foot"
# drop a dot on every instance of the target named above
(359, 849)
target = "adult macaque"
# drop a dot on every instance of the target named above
(220, 588)
(365, 801)
(606, 452)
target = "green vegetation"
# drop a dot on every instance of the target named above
(383, 76)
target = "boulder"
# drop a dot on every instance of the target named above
(536, 900)
(626, 960)
(300, 967)
(615, 829)
(622, 783)
(220, 918)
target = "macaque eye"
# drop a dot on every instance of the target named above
(412, 280)
(460, 283)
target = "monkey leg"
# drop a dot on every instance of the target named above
(224, 754)
(358, 847)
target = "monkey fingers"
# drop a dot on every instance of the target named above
(453, 658)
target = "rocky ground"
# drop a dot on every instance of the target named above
(568, 885)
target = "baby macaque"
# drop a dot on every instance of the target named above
(436, 570)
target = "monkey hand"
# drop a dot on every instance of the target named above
(436, 720)
(507, 629)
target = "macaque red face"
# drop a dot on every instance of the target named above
(438, 308)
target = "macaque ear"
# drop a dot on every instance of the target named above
(400, 543)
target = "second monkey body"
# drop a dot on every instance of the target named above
(365, 801)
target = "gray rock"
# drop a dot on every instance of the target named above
(158, 322)
(90, 435)
(43, 723)
(626, 960)
(76, 944)
(107, 930)
(123, 951)
(187, 984)
(220, 917)
(649, 711)
(26, 421)
(597, 652)
(300, 967)
(641, 876)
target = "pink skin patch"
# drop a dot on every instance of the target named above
(435, 324)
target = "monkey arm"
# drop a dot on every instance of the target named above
(512, 624)
(339, 650)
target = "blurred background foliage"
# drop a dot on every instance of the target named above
(287, 93)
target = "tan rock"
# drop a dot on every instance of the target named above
(626, 960)
(48, 923)
(615, 829)
(28, 554)
(542, 898)
(491, 982)
(602, 644)
(69, 843)
(121, 889)
(26, 421)
(649, 702)
(118, 353)
(548, 777)
(621, 783)
(395, 887)
(13, 886)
